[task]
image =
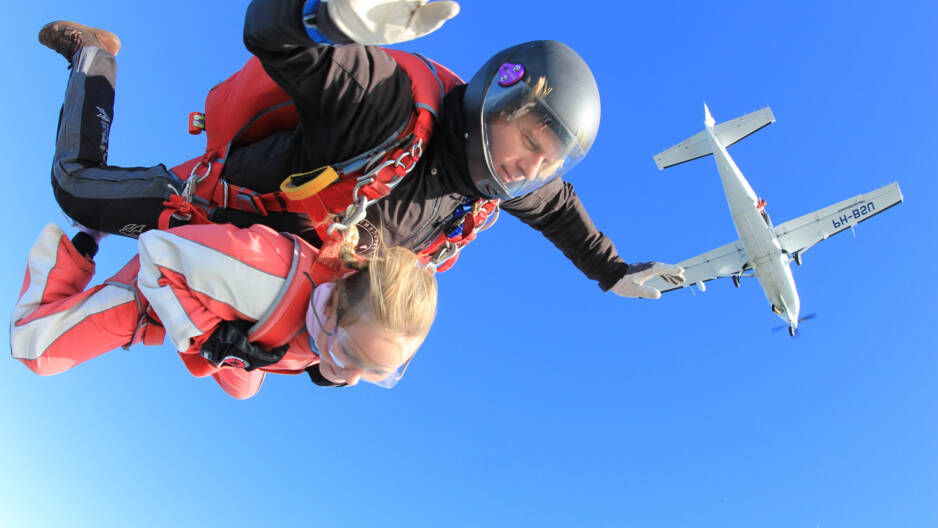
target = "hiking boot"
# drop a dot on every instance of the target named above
(68, 37)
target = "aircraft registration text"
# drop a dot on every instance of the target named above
(855, 214)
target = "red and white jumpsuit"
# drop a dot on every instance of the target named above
(188, 279)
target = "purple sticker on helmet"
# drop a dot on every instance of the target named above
(509, 74)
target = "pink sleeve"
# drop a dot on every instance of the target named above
(236, 382)
(56, 325)
(239, 383)
(196, 276)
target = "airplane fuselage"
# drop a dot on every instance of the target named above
(770, 265)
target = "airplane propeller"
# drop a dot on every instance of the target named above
(807, 317)
(800, 320)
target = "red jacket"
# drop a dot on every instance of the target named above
(185, 280)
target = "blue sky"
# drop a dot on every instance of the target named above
(537, 399)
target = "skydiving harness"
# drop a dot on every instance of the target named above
(249, 106)
(470, 218)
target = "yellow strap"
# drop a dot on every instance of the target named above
(319, 179)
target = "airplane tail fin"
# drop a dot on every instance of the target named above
(727, 133)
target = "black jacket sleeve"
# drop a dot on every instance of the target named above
(557, 212)
(349, 98)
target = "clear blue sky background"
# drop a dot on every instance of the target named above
(537, 400)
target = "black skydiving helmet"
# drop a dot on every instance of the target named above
(532, 112)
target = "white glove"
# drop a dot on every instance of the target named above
(632, 283)
(376, 22)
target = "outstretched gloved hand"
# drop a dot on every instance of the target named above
(377, 22)
(632, 284)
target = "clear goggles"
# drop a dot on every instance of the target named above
(345, 353)
(517, 118)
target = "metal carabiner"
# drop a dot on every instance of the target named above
(399, 162)
(192, 181)
(448, 251)
(354, 214)
(417, 150)
(490, 219)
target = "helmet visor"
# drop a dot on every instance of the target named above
(526, 144)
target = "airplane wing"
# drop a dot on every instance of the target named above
(723, 261)
(796, 236)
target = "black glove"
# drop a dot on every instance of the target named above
(316, 377)
(229, 345)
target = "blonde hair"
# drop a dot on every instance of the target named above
(540, 90)
(394, 290)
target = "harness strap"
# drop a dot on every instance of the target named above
(328, 266)
(178, 207)
(199, 174)
(230, 196)
(286, 316)
(149, 328)
(372, 174)
(374, 184)
(290, 303)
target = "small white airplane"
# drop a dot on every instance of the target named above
(763, 249)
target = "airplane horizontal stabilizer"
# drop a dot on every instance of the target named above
(697, 146)
(727, 133)
(732, 131)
